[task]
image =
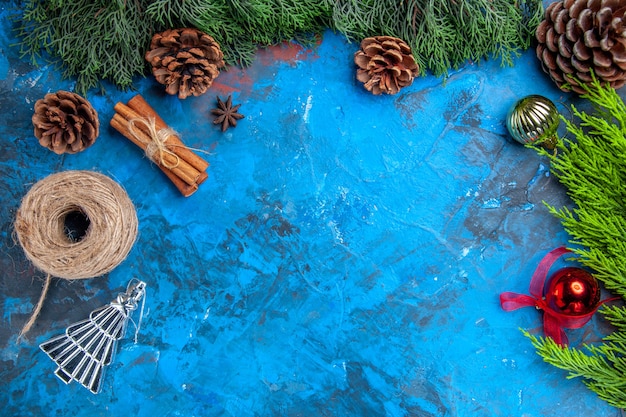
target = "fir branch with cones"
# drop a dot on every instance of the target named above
(107, 40)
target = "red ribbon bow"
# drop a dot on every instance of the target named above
(553, 321)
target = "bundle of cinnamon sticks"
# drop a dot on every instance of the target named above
(138, 122)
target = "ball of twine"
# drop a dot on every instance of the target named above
(41, 227)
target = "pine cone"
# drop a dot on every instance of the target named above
(385, 64)
(577, 37)
(185, 60)
(65, 122)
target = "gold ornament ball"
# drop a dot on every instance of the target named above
(533, 120)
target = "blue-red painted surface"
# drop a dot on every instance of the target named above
(344, 258)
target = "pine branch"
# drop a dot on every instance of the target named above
(602, 372)
(241, 27)
(445, 34)
(100, 39)
(94, 40)
(592, 167)
(616, 315)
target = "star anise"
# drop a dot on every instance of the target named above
(226, 113)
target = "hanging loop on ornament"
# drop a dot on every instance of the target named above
(135, 292)
(534, 120)
(569, 301)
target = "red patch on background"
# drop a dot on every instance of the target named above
(287, 52)
(231, 80)
(240, 80)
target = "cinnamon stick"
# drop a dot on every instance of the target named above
(203, 176)
(180, 169)
(141, 106)
(184, 188)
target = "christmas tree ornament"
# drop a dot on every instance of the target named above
(65, 122)
(571, 298)
(226, 114)
(534, 120)
(579, 38)
(385, 64)
(185, 60)
(89, 345)
(573, 291)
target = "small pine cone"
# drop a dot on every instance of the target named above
(386, 64)
(185, 60)
(578, 37)
(65, 122)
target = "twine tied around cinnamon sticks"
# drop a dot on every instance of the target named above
(156, 149)
(139, 122)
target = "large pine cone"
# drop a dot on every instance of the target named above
(385, 64)
(185, 60)
(65, 122)
(577, 37)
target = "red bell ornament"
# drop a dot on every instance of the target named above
(573, 291)
(571, 297)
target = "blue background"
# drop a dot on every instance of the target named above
(344, 258)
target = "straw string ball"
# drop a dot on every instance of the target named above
(75, 225)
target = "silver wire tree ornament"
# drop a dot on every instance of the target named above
(89, 345)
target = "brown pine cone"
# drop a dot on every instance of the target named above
(578, 37)
(65, 122)
(185, 60)
(386, 64)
